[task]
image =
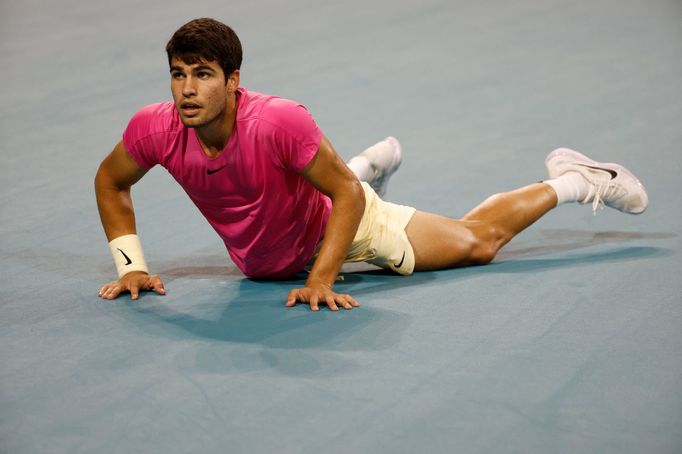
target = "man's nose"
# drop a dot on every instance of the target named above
(189, 87)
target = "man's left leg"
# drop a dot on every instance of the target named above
(442, 242)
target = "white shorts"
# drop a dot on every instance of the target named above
(381, 239)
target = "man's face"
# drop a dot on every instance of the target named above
(200, 92)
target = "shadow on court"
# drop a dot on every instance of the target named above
(619, 255)
(552, 241)
(255, 314)
(251, 312)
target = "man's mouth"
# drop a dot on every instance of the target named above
(189, 109)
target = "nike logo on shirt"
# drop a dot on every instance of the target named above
(212, 171)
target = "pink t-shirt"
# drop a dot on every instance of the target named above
(270, 217)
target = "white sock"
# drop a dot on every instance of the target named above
(361, 167)
(569, 187)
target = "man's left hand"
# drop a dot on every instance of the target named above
(316, 294)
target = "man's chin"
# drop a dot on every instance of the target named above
(190, 122)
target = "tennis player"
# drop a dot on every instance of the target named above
(272, 186)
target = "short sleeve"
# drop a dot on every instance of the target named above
(144, 137)
(295, 134)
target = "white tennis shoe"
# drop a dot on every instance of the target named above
(609, 184)
(384, 158)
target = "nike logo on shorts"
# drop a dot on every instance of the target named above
(399, 264)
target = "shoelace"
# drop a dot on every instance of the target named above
(597, 201)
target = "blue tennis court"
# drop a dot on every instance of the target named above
(570, 342)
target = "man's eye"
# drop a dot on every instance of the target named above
(176, 75)
(203, 75)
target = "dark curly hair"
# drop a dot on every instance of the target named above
(206, 39)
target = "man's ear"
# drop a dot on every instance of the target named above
(233, 81)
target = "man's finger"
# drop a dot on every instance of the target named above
(345, 302)
(106, 287)
(291, 299)
(134, 291)
(352, 301)
(112, 292)
(158, 286)
(331, 304)
(314, 303)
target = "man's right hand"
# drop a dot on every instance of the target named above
(133, 282)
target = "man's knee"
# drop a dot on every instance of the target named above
(485, 244)
(482, 254)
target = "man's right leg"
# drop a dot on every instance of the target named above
(441, 242)
(376, 164)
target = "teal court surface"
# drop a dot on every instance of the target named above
(570, 342)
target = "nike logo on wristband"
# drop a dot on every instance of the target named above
(613, 173)
(401, 261)
(212, 171)
(128, 261)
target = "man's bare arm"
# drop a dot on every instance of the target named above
(329, 174)
(117, 173)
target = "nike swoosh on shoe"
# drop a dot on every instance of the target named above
(612, 172)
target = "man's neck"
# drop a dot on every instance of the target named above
(214, 136)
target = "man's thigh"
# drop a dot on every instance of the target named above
(381, 238)
(442, 242)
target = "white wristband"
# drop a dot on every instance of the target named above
(127, 253)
